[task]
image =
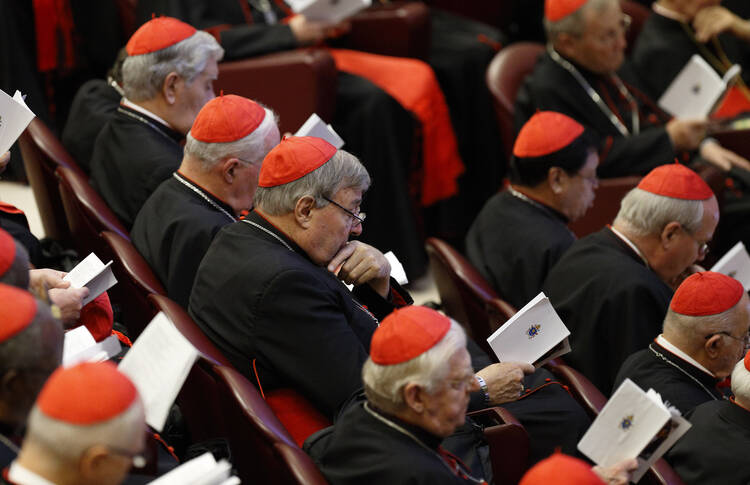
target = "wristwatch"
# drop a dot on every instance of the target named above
(483, 389)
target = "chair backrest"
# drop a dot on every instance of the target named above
(135, 281)
(638, 14)
(199, 397)
(42, 153)
(263, 450)
(504, 77)
(609, 194)
(498, 312)
(86, 212)
(508, 442)
(464, 293)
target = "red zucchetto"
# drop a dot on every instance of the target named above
(555, 10)
(226, 119)
(747, 361)
(293, 158)
(7, 251)
(546, 132)
(157, 34)
(86, 394)
(561, 469)
(17, 311)
(706, 293)
(676, 181)
(407, 333)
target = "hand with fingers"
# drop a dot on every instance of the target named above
(505, 380)
(358, 263)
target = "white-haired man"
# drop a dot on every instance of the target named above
(612, 288)
(582, 75)
(705, 334)
(167, 78)
(86, 428)
(714, 450)
(215, 184)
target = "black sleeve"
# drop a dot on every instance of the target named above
(253, 40)
(379, 306)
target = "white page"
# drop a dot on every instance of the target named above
(158, 364)
(98, 352)
(530, 333)
(330, 11)
(735, 263)
(626, 426)
(186, 473)
(15, 116)
(76, 340)
(694, 92)
(94, 275)
(315, 126)
(397, 269)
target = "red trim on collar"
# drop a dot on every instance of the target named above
(257, 211)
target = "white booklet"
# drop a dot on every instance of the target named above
(15, 116)
(397, 269)
(535, 334)
(633, 423)
(79, 346)
(696, 89)
(94, 275)
(735, 263)
(315, 126)
(329, 11)
(158, 364)
(202, 470)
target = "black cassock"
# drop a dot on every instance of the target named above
(665, 46)
(133, 154)
(263, 302)
(514, 243)
(94, 105)
(714, 450)
(610, 301)
(174, 229)
(678, 381)
(367, 446)
(552, 87)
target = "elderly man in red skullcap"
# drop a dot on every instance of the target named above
(705, 335)
(612, 288)
(31, 345)
(553, 177)
(167, 78)
(584, 76)
(86, 428)
(214, 185)
(714, 450)
(560, 469)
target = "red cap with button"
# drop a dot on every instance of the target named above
(407, 333)
(17, 311)
(555, 10)
(157, 34)
(546, 132)
(7, 251)
(676, 181)
(706, 293)
(226, 119)
(293, 158)
(561, 469)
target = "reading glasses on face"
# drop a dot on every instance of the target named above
(359, 218)
(745, 339)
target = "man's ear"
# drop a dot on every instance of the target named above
(670, 233)
(414, 397)
(93, 462)
(170, 87)
(713, 346)
(303, 211)
(556, 178)
(228, 169)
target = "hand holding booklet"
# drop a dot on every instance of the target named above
(203, 470)
(314, 126)
(633, 423)
(329, 11)
(535, 335)
(94, 275)
(735, 263)
(15, 116)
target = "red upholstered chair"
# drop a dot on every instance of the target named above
(135, 281)
(508, 441)
(262, 448)
(42, 153)
(464, 293)
(497, 13)
(504, 77)
(294, 83)
(199, 397)
(86, 212)
(606, 205)
(399, 29)
(638, 15)
(498, 312)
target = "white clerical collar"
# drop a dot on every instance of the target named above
(631, 244)
(126, 102)
(669, 13)
(23, 476)
(682, 355)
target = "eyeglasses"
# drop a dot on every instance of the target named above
(612, 36)
(703, 248)
(359, 217)
(745, 339)
(246, 161)
(139, 461)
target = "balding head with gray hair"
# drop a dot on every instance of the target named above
(342, 171)
(143, 75)
(574, 24)
(644, 213)
(384, 384)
